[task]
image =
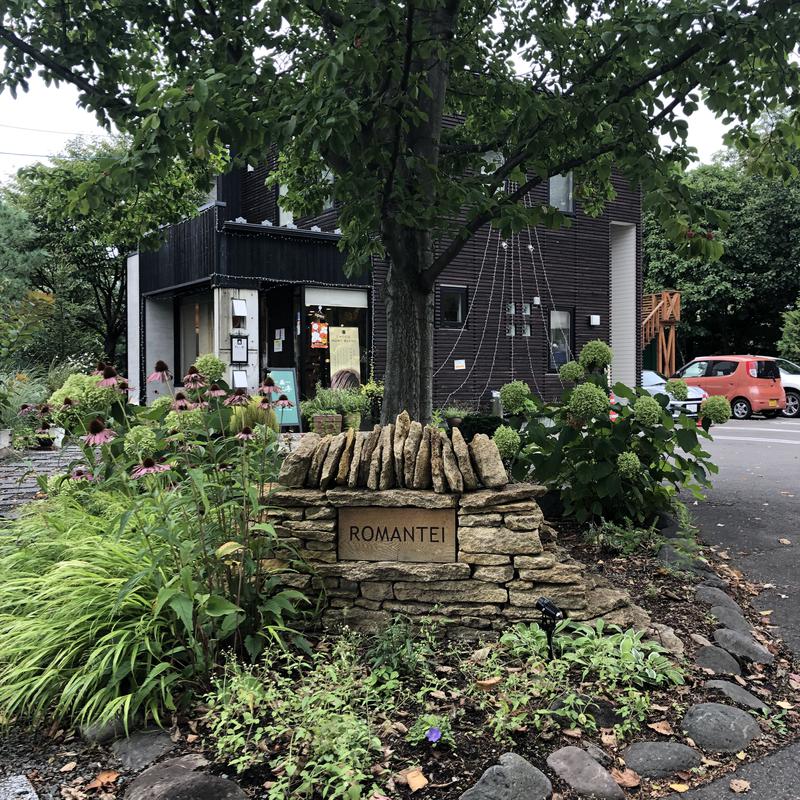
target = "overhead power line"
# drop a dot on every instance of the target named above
(47, 130)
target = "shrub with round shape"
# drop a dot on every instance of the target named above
(628, 465)
(210, 367)
(140, 443)
(647, 411)
(83, 397)
(677, 388)
(588, 402)
(513, 396)
(595, 355)
(716, 408)
(571, 372)
(508, 441)
(183, 421)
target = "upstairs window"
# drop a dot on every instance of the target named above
(560, 338)
(561, 192)
(453, 304)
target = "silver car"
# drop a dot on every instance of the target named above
(654, 384)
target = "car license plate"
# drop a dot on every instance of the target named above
(773, 403)
(691, 409)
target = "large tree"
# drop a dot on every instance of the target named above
(736, 303)
(361, 89)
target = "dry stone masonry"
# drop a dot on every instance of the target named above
(438, 531)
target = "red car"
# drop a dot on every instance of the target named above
(751, 383)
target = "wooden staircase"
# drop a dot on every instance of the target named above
(661, 312)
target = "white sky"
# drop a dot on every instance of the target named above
(55, 118)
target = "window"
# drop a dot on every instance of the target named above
(561, 192)
(788, 367)
(697, 369)
(768, 369)
(560, 338)
(719, 369)
(453, 303)
(285, 217)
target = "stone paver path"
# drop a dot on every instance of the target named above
(18, 473)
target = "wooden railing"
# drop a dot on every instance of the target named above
(661, 312)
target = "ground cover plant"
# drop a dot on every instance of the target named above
(151, 555)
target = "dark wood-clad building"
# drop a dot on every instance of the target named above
(261, 290)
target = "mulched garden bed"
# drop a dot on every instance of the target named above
(667, 596)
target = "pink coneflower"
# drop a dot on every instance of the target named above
(245, 434)
(109, 377)
(268, 387)
(215, 391)
(265, 404)
(181, 402)
(67, 404)
(100, 368)
(160, 374)
(81, 474)
(44, 409)
(201, 404)
(98, 433)
(284, 402)
(25, 409)
(149, 467)
(193, 379)
(238, 398)
(124, 387)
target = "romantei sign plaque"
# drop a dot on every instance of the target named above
(373, 533)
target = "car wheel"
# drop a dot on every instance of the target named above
(792, 405)
(741, 408)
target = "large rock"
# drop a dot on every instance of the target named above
(367, 450)
(743, 646)
(488, 463)
(355, 461)
(712, 596)
(346, 458)
(499, 540)
(530, 521)
(464, 461)
(395, 571)
(451, 591)
(731, 619)
(452, 473)
(402, 426)
(17, 787)
(512, 779)
(660, 759)
(330, 466)
(296, 498)
(486, 498)
(720, 728)
(422, 466)
(141, 749)
(717, 660)
(437, 465)
(294, 469)
(178, 779)
(577, 768)
(387, 479)
(317, 460)
(736, 693)
(391, 498)
(374, 475)
(410, 450)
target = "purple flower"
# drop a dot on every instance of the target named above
(284, 402)
(181, 402)
(149, 467)
(98, 433)
(160, 374)
(193, 379)
(238, 398)
(433, 735)
(245, 435)
(81, 474)
(109, 377)
(215, 391)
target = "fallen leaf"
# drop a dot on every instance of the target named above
(785, 541)
(679, 787)
(608, 737)
(438, 694)
(69, 766)
(741, 755)
(488, 683)
(573, 733)
(416, 780)
(191, 738)
(740, 786)
(626, 777)
(663, 727)
(709, 762)
(784, 705)
(104, 778)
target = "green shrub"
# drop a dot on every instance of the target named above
(678, 388)
(647, 411)
(716, 408)
(86, 399)
(455, 411)
(789, 344)
(571, 372)
(624, 537)
(479, 423)
(507, 441)
(588, 402)
(140, 443)
(595, 356)
(514, 396)
(335, 401)
(210, 367)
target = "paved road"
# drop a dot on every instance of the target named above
(755, 502)
(18, 473)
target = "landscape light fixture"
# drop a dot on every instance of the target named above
(551, 616)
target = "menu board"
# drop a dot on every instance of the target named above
(286, 381)
(345, 350)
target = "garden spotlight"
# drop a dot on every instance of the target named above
(551, 614)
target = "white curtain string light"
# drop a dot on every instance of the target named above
(500, 318)
(524, 294)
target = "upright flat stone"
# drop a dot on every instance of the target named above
(712, 596)
(401, 427)
(723, 729)
(512, 779)
(367, 450)
(317, 460)
(355, 461)
(742, 645)
(422, 467)
(660, 759)
(387, 478)
(464, 462)
(719, 661)
(737, 694)
(294, 469)
(452, 473)
(330, 466)
(17, 787)
(488, 464)
(437, 465)
(577, 768)
(410, 449)
(374, 479)
(346, 458)
(731, 619)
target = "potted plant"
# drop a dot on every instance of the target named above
(321, 411)
(454, 414)
(353, 405)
